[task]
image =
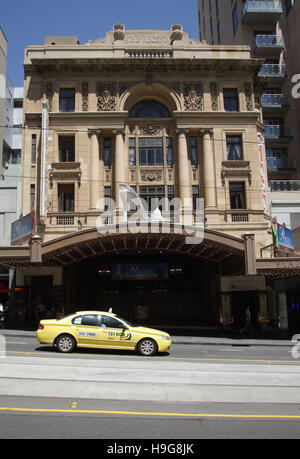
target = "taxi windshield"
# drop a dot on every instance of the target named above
(126, 322)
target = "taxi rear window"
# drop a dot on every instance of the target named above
(87, 319)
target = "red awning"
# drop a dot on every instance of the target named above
(3, 288)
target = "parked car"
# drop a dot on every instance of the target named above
(99, 329)
(2, 312)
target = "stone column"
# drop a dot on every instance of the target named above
(95, 170)
(209, 181)
(119, 164)
(183, 167)
(184, 178)
(250, 254)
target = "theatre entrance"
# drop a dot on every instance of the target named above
(146, 289)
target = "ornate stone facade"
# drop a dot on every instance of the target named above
(147, 112)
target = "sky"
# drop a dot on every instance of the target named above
(28, 22)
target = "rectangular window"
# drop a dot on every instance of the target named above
(132, 151)
(67, 100)
(32, 197)
(66, 201)
(231, 100)
(15, 157)
(66, 147)
(195, 196)
(235, 18)
(169, 144)
(152, 194)
(193, 151)
(107, 194)
(237, 195)
(234, 148)
(150, 151)
(33, 149)
(219, 33)
(107, 151)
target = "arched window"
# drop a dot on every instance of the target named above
(149, 109)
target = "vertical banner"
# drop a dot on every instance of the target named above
(263, 178)
(225, 309)
(44, 161)
(263, 308)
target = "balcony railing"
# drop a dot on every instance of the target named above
(268, 41)
(272, 70)
(274, 101)
(277, 132)
(268, 44)
(264, 11)
(284, 185)
(281, 164)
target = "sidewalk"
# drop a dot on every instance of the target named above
(234, 340)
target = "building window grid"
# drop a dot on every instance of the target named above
(66, 147)
(237, 195)
(152, 151)
(33, 148)
(67, 100)
(231, 99)
(107, 144)
(234, 145)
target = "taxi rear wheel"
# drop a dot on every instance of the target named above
(147, 347)
(65, 343)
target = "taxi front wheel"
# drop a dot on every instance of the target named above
(65, 343)
(147, 347)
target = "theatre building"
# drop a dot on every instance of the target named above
(169, 117)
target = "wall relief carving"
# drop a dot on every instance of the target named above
(193, 96)
(85, 96)
(214, 96)
(151, 176)
(106, 98)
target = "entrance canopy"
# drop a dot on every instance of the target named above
(81, 245)
(67, 250)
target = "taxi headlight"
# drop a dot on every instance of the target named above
(165, 338)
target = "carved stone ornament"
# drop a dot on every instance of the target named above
(149, 129)
(119, 32)
(193, 97)
(214, 96)
(248, 95)
(177, 32)
(106, 99)
(151, 176)
(49, 94)
(85, 95)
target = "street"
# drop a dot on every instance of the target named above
(196, 391)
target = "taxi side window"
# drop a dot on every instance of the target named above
(87, 319)
(77, 320)
(90, 319)
(110, 322)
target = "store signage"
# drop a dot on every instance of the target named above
(243, 283)
(21, 230)
(283, 238)
(261, 151)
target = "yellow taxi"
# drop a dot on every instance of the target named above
(99, 329)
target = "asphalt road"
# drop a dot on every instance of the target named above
(195, 392)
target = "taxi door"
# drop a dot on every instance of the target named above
(114, 335)
(87, 330)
